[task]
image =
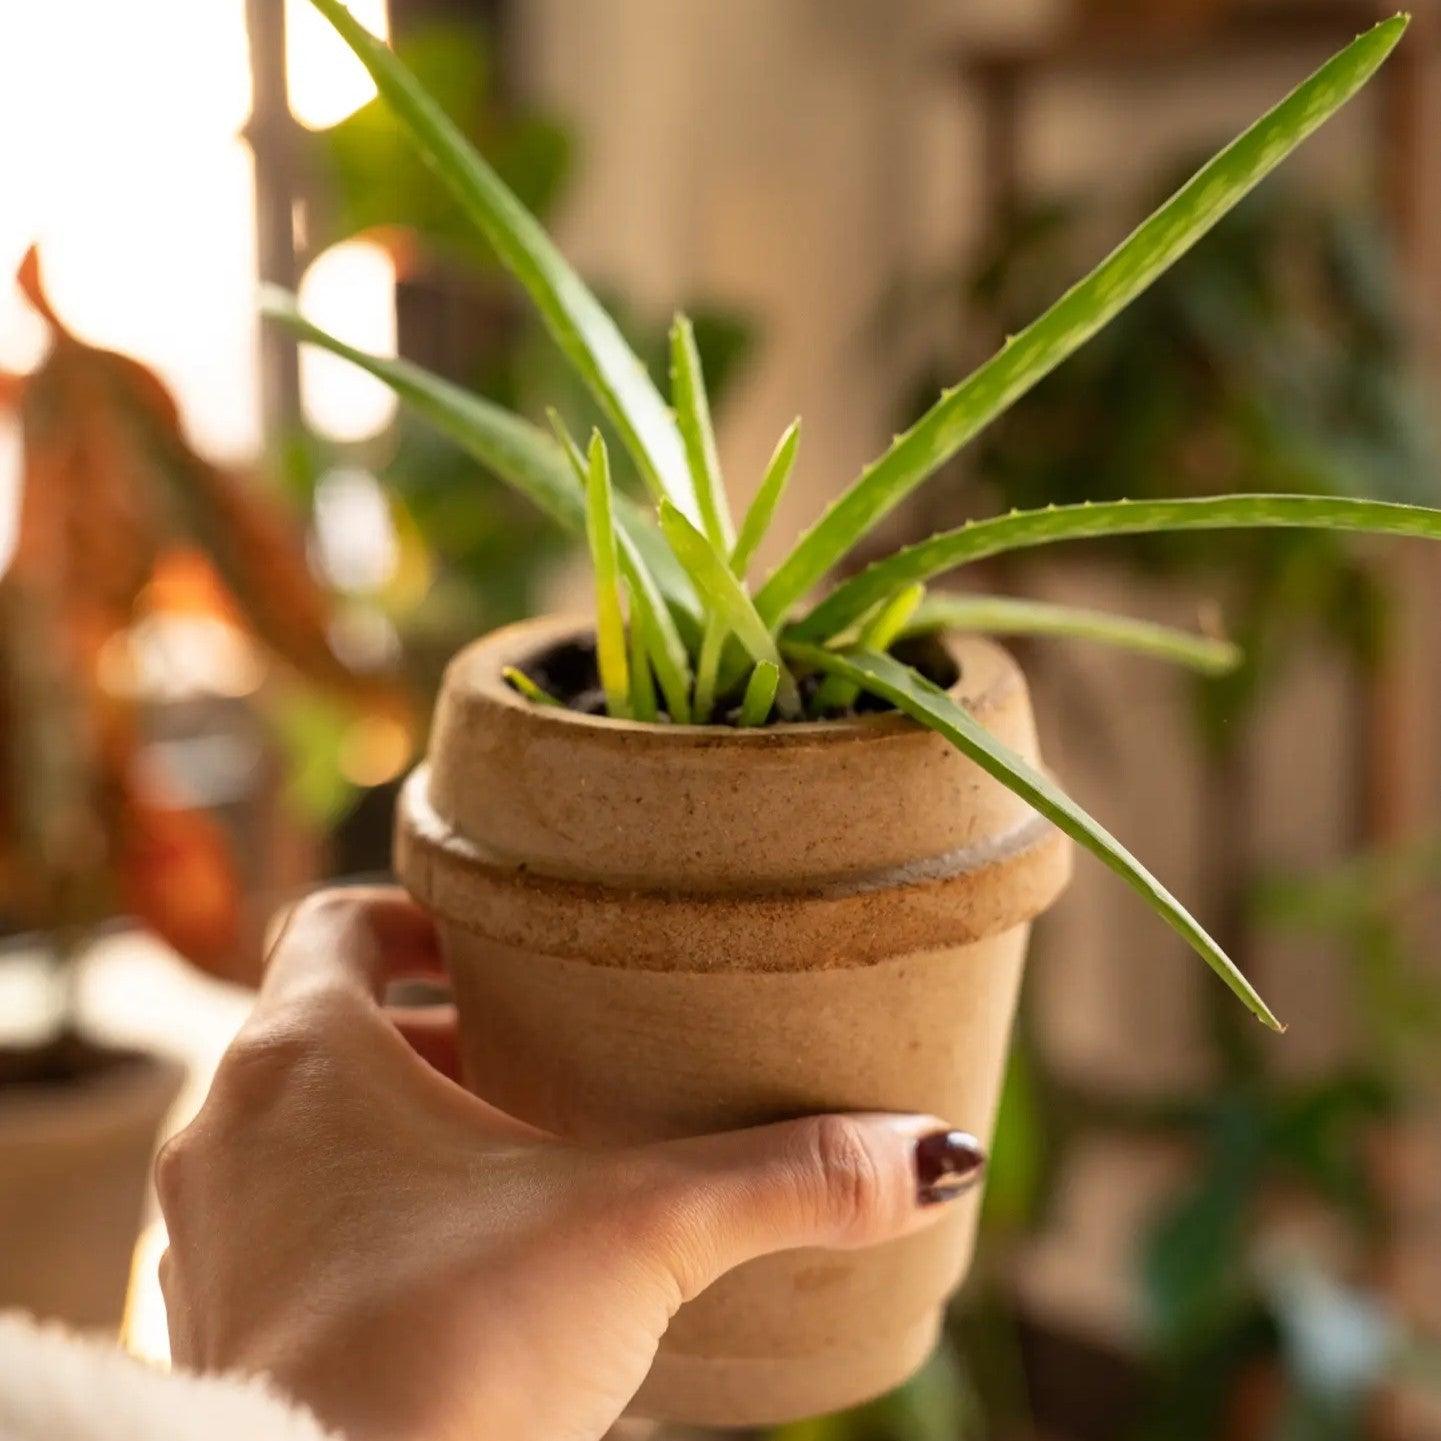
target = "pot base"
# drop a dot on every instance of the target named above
(767, 1391)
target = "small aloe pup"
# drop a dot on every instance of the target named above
(714, 648)
(681, 883)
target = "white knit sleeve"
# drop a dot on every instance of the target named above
(56, 1386)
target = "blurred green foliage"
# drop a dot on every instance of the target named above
(1226, 1299)
(374, 178)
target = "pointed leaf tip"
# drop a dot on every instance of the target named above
(31, 285)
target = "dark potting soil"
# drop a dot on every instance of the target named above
(63, 1060)
(570, 673)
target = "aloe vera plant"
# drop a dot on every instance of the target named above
(694, 627)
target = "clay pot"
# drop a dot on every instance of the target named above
(659, 931)
(74, 1169)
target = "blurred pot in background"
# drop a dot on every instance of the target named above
(78, 1123)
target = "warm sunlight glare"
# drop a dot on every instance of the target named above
(128, 168)
(356, 548)
(324, 80)
(349, 290)
(125, 166)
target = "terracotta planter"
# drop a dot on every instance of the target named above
(659, 931)
(74, 1168)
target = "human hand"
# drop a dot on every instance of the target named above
(415, 1265)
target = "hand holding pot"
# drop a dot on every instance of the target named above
(411, 1262)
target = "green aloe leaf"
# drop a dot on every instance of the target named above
(518, 680)
(760, 694)
(1023, 529)
(877, 633)
(707, 667)
(762, 509)
(585, 333)
(1155, 245)
(1002, 615)
(753, 530)
(642, 679)
(610, 640)
(650, 615)
(666, 649)
(692, 409)
(725, 597)
(520, 453)
(910, 692)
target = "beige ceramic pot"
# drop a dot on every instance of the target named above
(659, 931)
(74, 1168)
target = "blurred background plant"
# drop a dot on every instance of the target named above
(152, 605)
(1265, 1275)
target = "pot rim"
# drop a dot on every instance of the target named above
(474, 843)
(474, 675)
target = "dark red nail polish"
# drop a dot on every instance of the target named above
(948, 1164)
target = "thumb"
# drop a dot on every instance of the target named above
(838, 1181)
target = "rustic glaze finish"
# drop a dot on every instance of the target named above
(662, 930)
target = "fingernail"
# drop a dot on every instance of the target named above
(948, 1164)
